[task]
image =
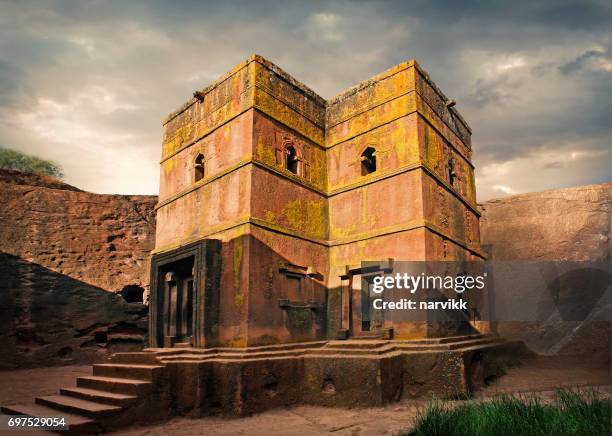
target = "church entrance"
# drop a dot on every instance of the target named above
(359, 317)
(365, 320)
(184, 302)
(178, 295)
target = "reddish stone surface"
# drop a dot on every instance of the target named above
(570, 224)
(61, 251)
(102, 240)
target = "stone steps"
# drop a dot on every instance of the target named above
(132, 371)
(376, 343)
(161, 352)
(396, 351)
(117, 390)
(143, 358)
(115, 385)
(77, 424)
(407, 347)
(77, 406)
(360, 347)
(99, 396)
(232, 355)
(110, 397)
(456, 338)
(444, 346)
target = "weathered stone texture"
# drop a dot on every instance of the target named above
(102, 240)
(61, 251)
(47, 318)
(558, 225)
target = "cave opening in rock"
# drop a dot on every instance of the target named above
(132, 293)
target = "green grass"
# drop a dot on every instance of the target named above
(570, 413)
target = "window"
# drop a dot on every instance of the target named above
(199, 167)
(368, 161)
(452, 175)
(291, 159)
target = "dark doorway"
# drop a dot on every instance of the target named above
(184, 303)
(365, 320)
(178, 295)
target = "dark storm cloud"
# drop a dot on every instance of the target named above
(93, 79)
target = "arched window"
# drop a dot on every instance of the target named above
(368, 161)
(291, 159)
(199, 167)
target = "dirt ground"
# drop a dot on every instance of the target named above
(548, 373)
(541, 375)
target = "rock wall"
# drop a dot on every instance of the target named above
(102, 240)
(64, 256)
(559, 225)
(48, 318)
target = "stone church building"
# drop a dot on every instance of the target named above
(271, 198)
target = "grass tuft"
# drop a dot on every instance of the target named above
(570, 413)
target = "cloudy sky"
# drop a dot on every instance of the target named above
(87, 83)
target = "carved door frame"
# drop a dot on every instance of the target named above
(206, 279)
(350, 318)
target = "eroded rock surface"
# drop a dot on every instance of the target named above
(65, 257)
(565, 224)
(103, 240)
(559, 225)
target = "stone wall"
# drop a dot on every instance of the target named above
(558, 225)
(102, 240)
(570, 224)
(64, 253)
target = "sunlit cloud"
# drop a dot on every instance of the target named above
(505, 189)
(511, 64)
(326, 26)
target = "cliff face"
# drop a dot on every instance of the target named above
(61, 251)
(559, 225)
(102, 240)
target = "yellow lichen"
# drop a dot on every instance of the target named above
(238, 300)
(306, 216)
(238, 255)
(265, 154)
(270, 216)
(293, 212)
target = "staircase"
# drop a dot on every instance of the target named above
(117, 394)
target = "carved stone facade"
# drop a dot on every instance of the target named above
(300, 191)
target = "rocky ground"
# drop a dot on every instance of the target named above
(540, 376)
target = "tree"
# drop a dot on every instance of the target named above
(15, 160)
